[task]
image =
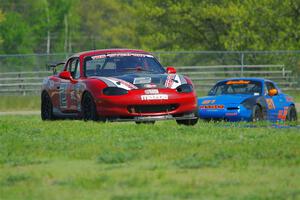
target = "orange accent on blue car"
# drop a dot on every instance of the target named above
(270, 103)
(237, 82)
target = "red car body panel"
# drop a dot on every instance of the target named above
(66, 95)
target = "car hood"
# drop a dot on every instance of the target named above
(224, 99)
(139, 81)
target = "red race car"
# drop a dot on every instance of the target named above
(118, 84)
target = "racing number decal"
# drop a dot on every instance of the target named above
(282, 113)
(270, 104)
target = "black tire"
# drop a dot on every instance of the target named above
(89, 111)
(46, 107)
(189, 122)
(145, 122)
(257, 114)
(291, 114)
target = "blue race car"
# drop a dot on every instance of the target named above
(246, 99)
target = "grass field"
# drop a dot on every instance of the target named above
(87, 160)
(14, 103)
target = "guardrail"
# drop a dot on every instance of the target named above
(204, 77)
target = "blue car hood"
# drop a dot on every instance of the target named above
(225, 99)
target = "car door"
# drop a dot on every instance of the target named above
(67, 92)
(275, 102)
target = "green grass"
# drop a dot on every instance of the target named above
(19, 103)
(87, 160)
(15, 103)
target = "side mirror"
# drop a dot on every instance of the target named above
(273, 92)
(67, 76)
(171, 70)
(53, 67)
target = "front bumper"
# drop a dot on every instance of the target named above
(132, 105)
(186, 116)
(240, 113)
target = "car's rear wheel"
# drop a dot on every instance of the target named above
(257, 114)
(291, 114)
(46, 107)
(89, 111)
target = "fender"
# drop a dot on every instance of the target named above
(250, 102)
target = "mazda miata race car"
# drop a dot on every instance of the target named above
(247, 99)
(118, 84)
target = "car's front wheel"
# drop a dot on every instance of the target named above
(145, 122)
(189, 122)
(257, 114)
(89, 111)
(46, 107)
(291, 114)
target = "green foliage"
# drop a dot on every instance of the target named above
(221, 25)
(75, 25)
(1, 19)
(88, 160)
(16, 34)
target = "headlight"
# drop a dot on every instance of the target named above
(185, 88)
(114, 91)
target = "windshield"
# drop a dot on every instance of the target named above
(236, 87)
(121, 63)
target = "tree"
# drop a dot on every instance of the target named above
(16, 34)
(1, 20)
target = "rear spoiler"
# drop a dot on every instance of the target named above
(53, 66)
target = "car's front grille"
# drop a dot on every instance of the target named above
(152, 108)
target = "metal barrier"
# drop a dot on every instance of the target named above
(204, 77)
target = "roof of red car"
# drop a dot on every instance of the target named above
(106, 51)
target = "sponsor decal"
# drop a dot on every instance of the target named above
(142, 80)
(122, 84)
(48, 83)
(121, 55)
(62, 95)
(150, 85)
(169, 80)
(270, 104)
(237, 82)
(154, 97)
(172, 81)
(231, 114)
(212, 107)
(152, 91)
(208, 101)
